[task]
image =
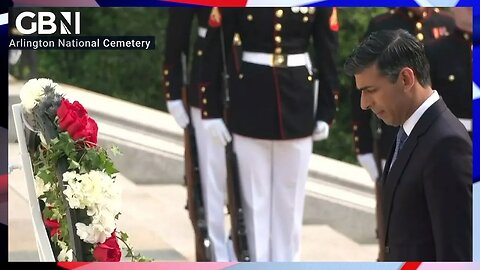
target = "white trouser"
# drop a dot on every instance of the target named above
(211, 158)
(273, 176)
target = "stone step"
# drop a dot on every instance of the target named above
(339, 194)
(347, 210)
(158, 227)
(321, 243)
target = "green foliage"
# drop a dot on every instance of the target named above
(82, 160)
(130, 253)
(133, 75)
(353, 25)
(136, 75)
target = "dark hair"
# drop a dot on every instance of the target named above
(391, 50)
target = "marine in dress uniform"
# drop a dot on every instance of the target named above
(372, 137)
(451, 67)
(274, 113)
(211, 156)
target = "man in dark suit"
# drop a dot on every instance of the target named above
(372, 138)
(427, 181)
(426, 24)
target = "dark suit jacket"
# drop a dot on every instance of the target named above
(427, 193)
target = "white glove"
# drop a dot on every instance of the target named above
(321, 131)
(176, 109)
(217, 129)
(368, 162)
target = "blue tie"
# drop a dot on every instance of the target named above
(401, 138)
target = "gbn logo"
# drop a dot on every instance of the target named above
(46, 23)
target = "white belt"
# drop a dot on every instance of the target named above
(467, 123)
(276, 60)
(202, 32)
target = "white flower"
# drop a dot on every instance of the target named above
(42, 138)
(40, 186)
(82, 230)
(67, 176)
(98, 193)
(105, 221)
(72, 191)
(93, 233)
(66, 254)
(32, 93)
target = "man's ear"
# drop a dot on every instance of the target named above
(407, 77)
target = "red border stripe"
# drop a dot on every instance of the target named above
(213, 3)
(411, 266)
(71, 265)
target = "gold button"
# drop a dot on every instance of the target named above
(204, 101)
(240, 76)
(437, 10)
(420, 36)
(278, 39)
(167, 95)
(278, 27)
(167, 83)
(356, 138)
(278, 50)
(199, 52)
(237, 41)
(305, 19)
(336, 97)
(451, 77)
(205, 113)
(309, 78)
(165, 72)
(419, 25)
(202, 89)
(278, 60)
(311, 10)
(392, 11)
(355, 127)
(410, 14)
(466, 36)
(279, 13)
(357, 150)
(304, 10)
(250, 17)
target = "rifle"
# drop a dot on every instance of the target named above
(195, 206)
(237, 219)
(376, 126)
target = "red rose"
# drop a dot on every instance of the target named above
(108, 251)
(53, 226)
(74, 119)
